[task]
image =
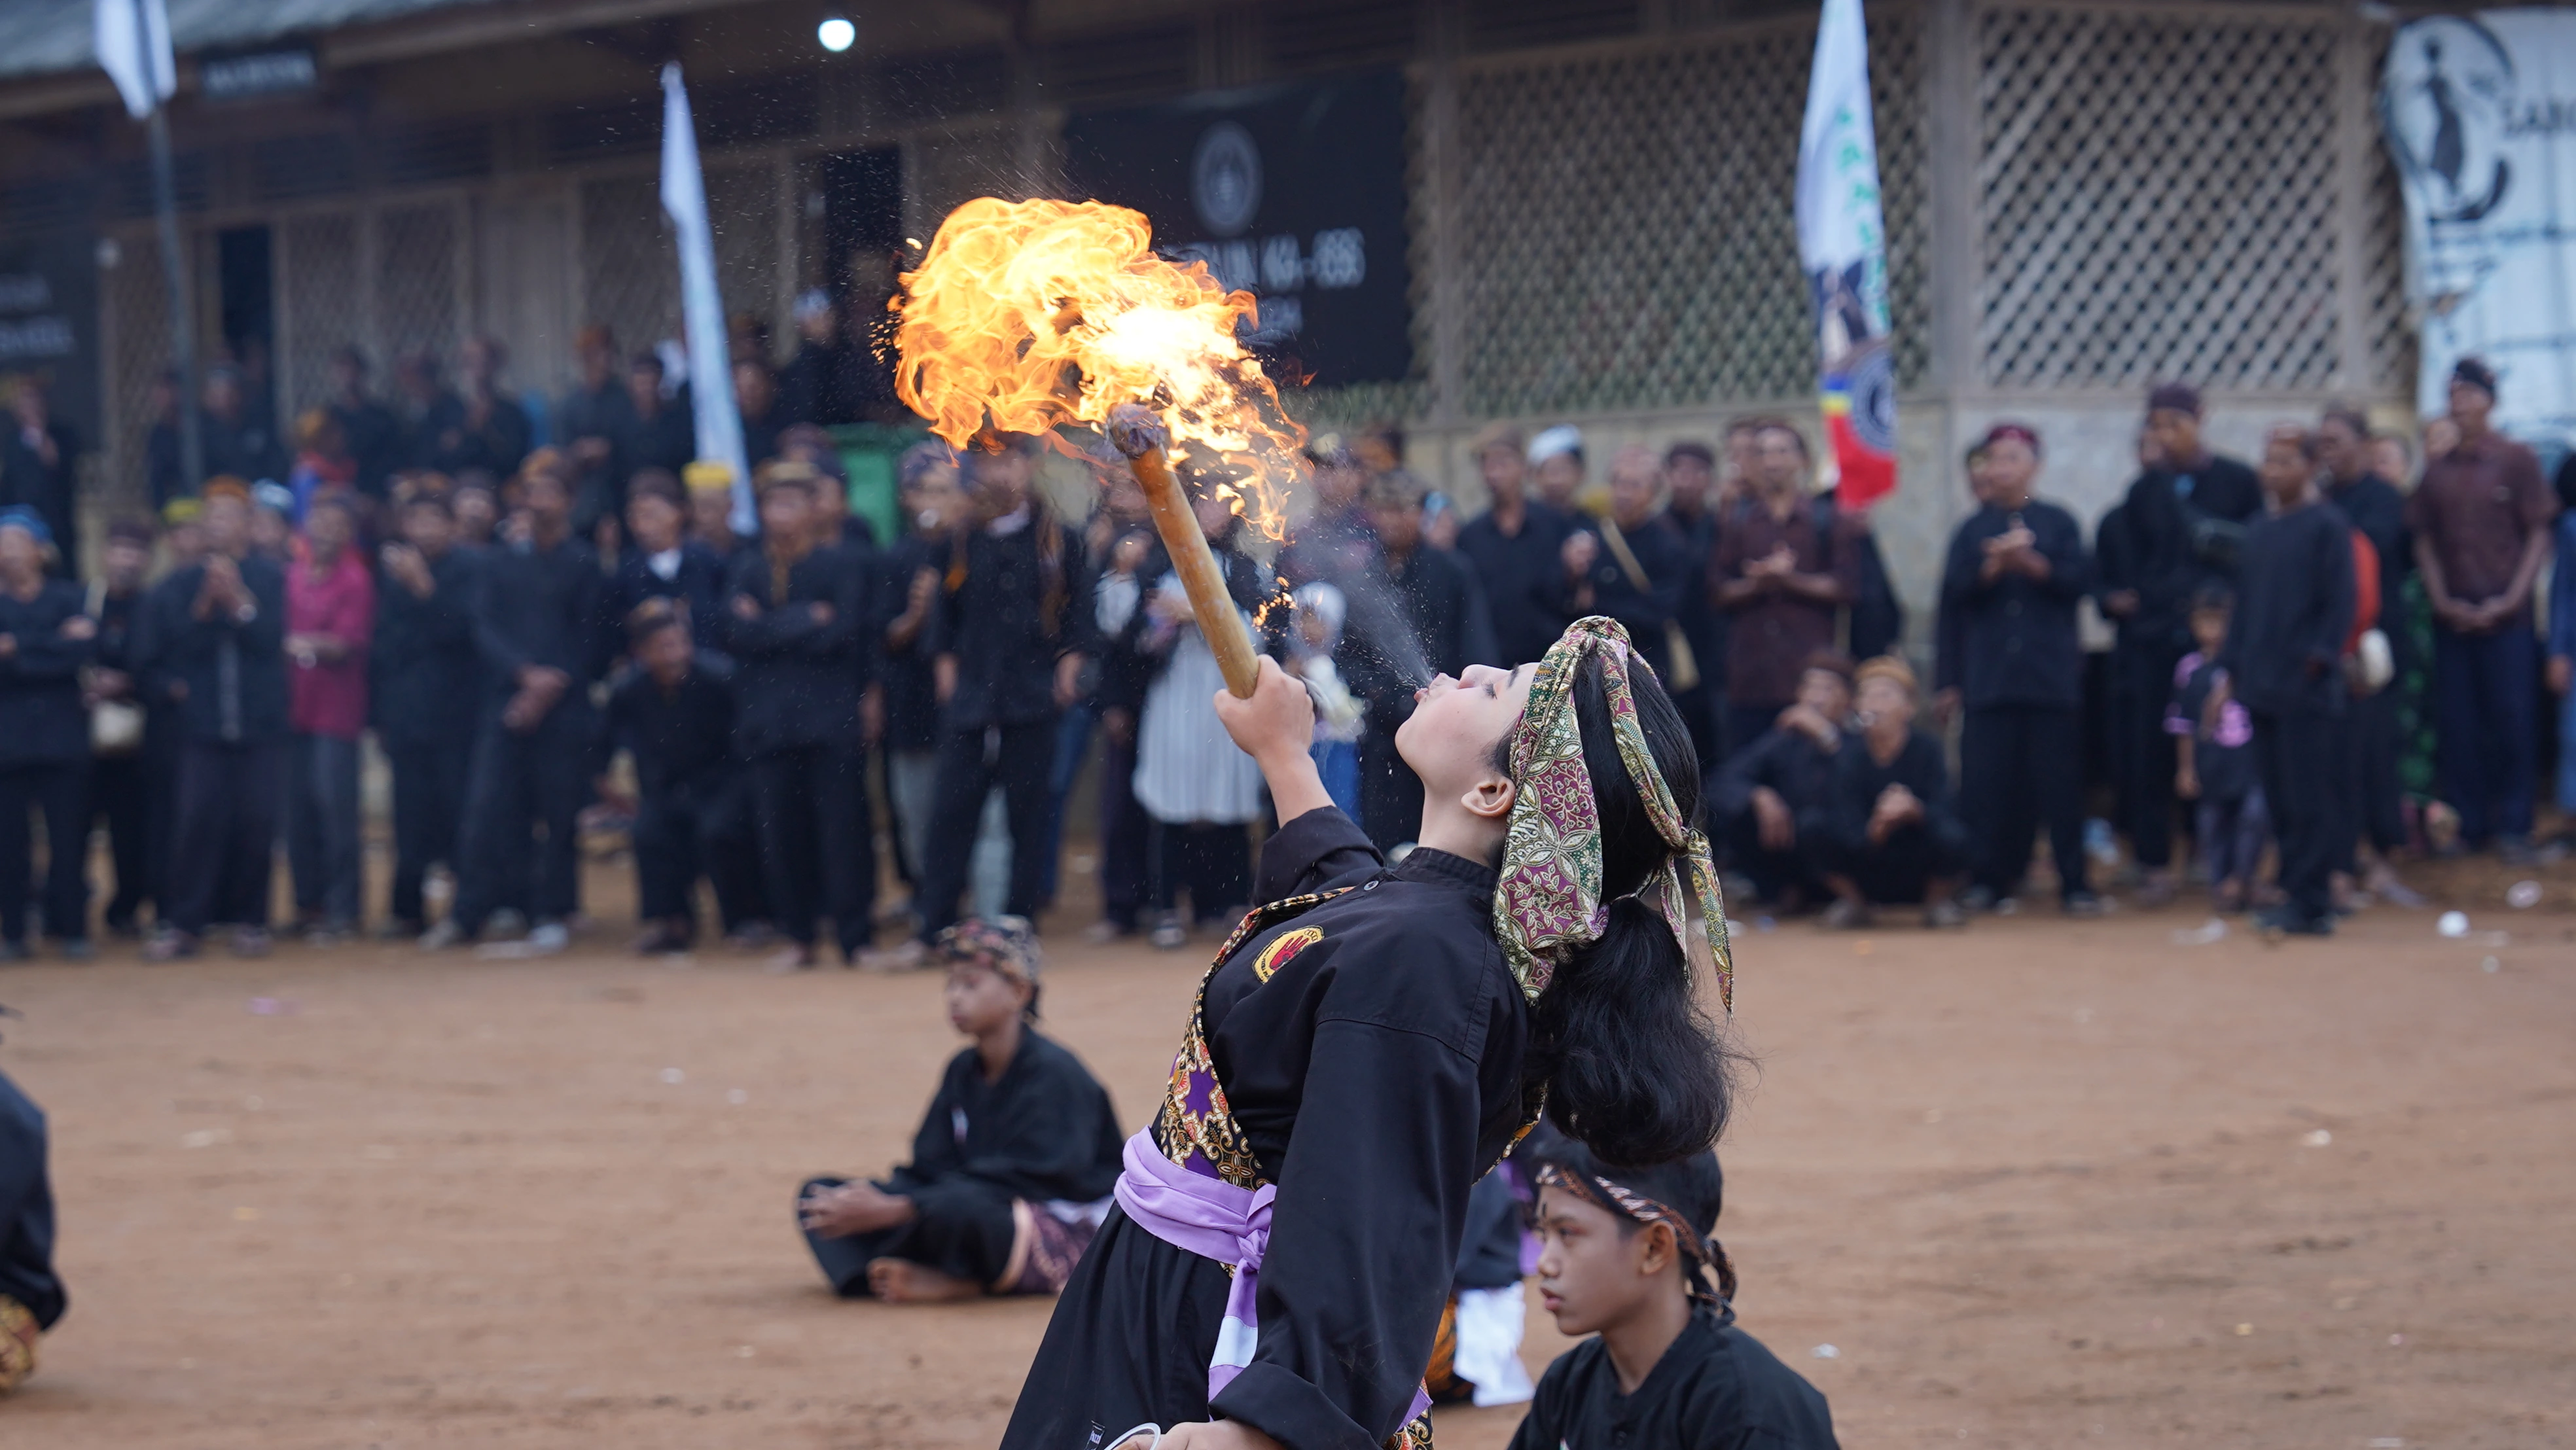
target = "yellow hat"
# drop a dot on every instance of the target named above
(180, 511)
(708, 475)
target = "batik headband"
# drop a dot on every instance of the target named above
(1704, 1251)
(1008, 947)
(1548, 903)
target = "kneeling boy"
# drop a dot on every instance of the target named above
(1012, 1170)
(1627, 1257)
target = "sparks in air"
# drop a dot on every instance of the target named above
(1027, 316)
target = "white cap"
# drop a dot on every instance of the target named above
(1563, 438)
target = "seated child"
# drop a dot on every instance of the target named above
(1012, 1170)
(1892, 832)
(31, 1298)
(2214, 758)
(1627, 1256)
(1771, 793)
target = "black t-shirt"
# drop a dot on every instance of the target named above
(1716, 1388)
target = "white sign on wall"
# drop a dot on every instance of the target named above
(2479, 112)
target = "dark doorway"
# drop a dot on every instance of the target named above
(248, 315)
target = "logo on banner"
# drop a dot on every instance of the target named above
(2446, 104)
(1225, 179)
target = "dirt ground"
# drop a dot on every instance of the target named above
(2036, 1184)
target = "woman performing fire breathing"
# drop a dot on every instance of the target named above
(1371, 1040)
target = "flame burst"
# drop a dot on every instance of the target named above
(1027, 316)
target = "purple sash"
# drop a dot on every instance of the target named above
(1214, 1219)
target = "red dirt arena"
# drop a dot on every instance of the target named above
(2038, 1183)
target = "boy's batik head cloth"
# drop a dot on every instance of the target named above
(1548, 903)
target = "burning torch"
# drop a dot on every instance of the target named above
(1135, 431)
(1022, 316)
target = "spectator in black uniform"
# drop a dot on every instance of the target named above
(488, 430)
(1009, 634)
(797, 624)
(2370, 794)
(120, 778)
(1636, 569)
(238, 442)
(2016, 571)
(1517, 549)
(596, 413)
(674, 713)
(1771, 795)
(1691, 508)
(427, 682)
(657, 432)
(2283, 659)
(662, 561)
(1129, 559)
(2184, 523)
(367, 427)
(1892, 833)
(755, 393)
(1436, 601)
(45, 641)
(40, 470)
(429, 411)
(219, 654)
(908, 591)
(165, 469)
(537, 626)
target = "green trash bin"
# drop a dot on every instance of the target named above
(869, 451)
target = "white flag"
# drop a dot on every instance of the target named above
(1842, 247)
(133, 38)
(684, 196)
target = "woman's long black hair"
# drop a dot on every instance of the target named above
(1634, 1067)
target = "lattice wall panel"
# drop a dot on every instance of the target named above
(2392, 335)
(630, 271)
(2158, 200)
(322, 303)
(742, 211)
(138, 327)
(1627, 221)
(418, 256)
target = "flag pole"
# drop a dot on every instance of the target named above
(174, 268)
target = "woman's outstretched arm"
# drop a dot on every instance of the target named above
(1276, 727)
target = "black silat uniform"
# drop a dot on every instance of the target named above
(26, 1209)
(1370, 1047)
(1791, 763)
(1523, 575)
(1716, 1388)
(120, 786)
(693, 807)
(2283, 659)
(534, 605)
(798, 724)
(425, 680)
(1901, 867)
(1045, 1134)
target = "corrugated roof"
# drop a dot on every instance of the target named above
(48, 37)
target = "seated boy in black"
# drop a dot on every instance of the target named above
(1627, 1256)
(1012, 1170)
(31, 1298)
(675, 712)
(1892, 833)
(1771, 794)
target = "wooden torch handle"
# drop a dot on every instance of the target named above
(1139, 434)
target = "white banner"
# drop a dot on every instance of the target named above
(133, 39)
(702, 321)
(2479, 112)
(1842, 247)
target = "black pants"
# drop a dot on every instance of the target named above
(521, 783)
(961, 1227)
(1746, 723)
(2145, 751)
(1390, 793)
(325, 850)
(1902, 868)
(1123, 831)
(164, 741)
(120, 789)
(1213, 861)
(1019, 759)
(61, 791)
(2486, 729)
(818, 849)
(704, 829)
(1776, 873)
(2298, 753)
(2021, 767)
(429, 779)
(2369, 798)
(227, 834)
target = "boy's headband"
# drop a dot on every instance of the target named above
(1548, 903)
(1704, 1252)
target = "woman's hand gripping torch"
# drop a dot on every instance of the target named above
(1136, 432)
